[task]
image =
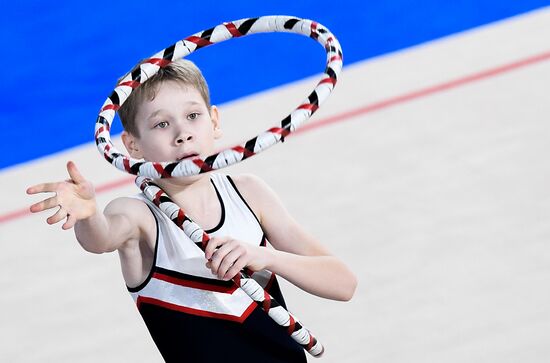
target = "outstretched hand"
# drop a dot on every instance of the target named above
(74, 198)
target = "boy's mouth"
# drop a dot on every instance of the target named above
(187, 156)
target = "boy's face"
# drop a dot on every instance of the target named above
(175, 125)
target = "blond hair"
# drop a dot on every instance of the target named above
(182, 71)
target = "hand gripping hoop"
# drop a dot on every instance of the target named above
(232, 155)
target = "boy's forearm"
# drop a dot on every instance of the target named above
(324, 276)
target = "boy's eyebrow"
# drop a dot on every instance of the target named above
(155, 113)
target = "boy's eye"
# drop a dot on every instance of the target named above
(193, 116)
(162, 125)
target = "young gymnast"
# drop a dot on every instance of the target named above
(192, 310)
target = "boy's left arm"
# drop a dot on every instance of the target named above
(298, 257)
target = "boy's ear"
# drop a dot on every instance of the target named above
(131, 145)
(215, 117)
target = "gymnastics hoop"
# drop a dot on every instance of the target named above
(144, 170)
(232, 155)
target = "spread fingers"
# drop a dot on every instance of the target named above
(42, 188)
(58, 216)
(49, 203)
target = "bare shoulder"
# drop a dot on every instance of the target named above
(126, 205)
(134, 212)
(248, 182)
(258, 194)
(252, 186)
(281, 229)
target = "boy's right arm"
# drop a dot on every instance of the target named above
(122, 221)
(111, 230)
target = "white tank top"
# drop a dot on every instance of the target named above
(179, 279)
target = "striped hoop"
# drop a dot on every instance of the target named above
(232, 155)
(147, 68)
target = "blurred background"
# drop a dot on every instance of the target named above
(62, 60)
(426, 171)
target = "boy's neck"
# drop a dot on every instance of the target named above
(184, 185)
(196, 196)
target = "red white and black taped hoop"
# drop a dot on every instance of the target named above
(237, 153)
(147, 68)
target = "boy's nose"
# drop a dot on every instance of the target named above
(183, 138)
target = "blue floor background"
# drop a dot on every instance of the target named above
(60, 60)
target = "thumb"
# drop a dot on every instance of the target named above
(74, 173)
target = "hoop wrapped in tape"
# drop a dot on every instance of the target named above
(232, 155)
(147, 68)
